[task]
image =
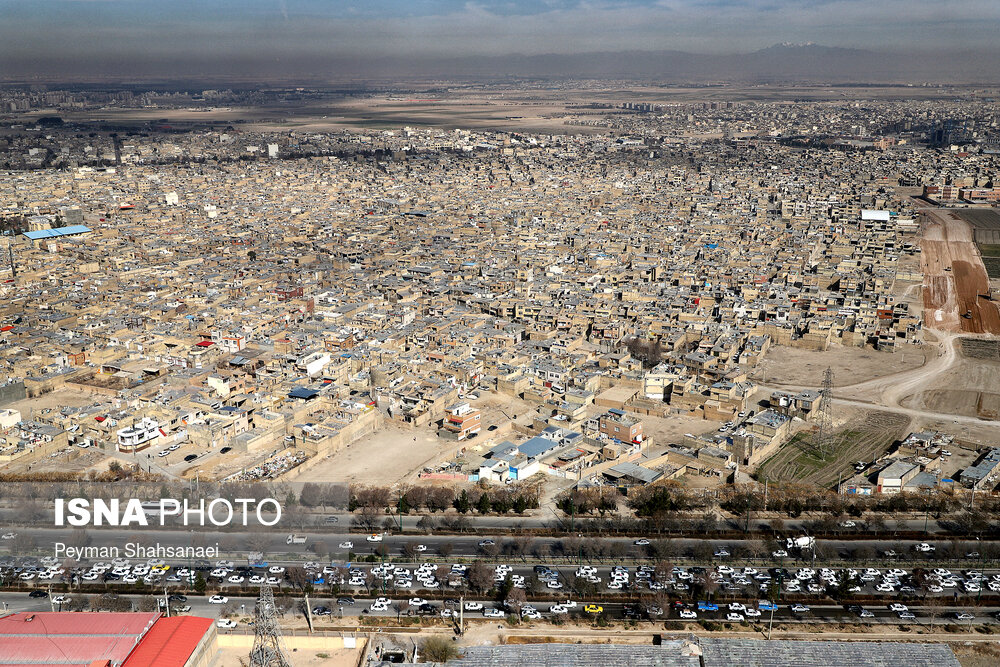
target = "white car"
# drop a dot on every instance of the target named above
(375, 537)
(226, 623)
(8, 536)
(473, 606)
(735, 617)
(641, 542)
(558, 609)
(218, 599)
(276, 569)
(688, 614)
(420, 548)
(923, 547)
(416, 602)
(62, 599)
(494, 613)
(346, 545)
(236, 579)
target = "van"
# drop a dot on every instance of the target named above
(295, 539)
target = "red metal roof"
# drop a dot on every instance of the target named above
(85, 639)
(70, 639)
(170, 643)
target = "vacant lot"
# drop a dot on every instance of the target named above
(387, 457)
(805, 459)
(798, 367)
(955, 278)
(970, 387)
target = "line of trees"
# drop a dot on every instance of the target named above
(482, 499)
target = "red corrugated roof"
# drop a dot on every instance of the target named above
(70, 639)
(170, 642)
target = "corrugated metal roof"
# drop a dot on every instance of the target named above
(715, 652)
(58, 231)
(170, 643)
(580, 655)
(790, 653)
(70, 638)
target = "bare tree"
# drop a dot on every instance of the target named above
(516, 599)
(480, 577)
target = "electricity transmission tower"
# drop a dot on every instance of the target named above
(825, 413)
(268, 649)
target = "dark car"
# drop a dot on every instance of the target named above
(38, 594)
(177, 597)
(225, 450)
(190, 457)
(345, 601)
(427, 608)
(322, 611)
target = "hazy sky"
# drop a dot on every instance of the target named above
(78, 32)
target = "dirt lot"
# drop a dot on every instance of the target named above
(797, 367)
(54, 400)
(970, 386)
(392, 455)
(954, 276)
(232, 657)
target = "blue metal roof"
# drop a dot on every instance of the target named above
(58, 231)
(303, 392)
(537, 446)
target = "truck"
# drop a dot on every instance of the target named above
(295, 539)
(803, 542)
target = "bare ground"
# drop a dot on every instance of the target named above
(851, 365)
(392, 455)
(954, 276)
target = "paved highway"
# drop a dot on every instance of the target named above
(241, 607)
(275, 545)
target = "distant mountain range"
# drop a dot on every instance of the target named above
(781, 62)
